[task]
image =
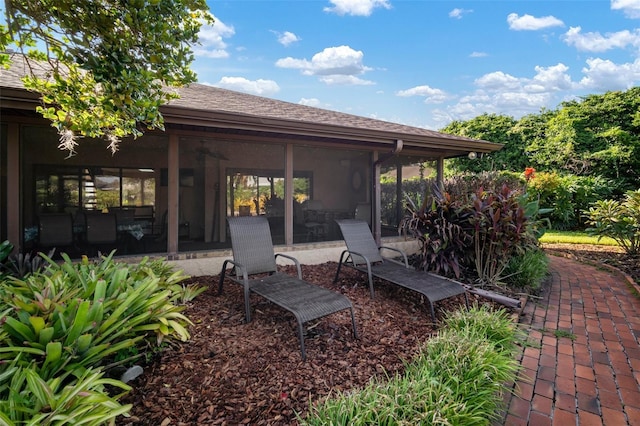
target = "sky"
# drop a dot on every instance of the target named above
(422, 63)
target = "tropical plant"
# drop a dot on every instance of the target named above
(30, 399)
(439, 227)
(19, 264)
(60, 328)
(619, 220)
(458, 378)
(80, 315)
(501, 228)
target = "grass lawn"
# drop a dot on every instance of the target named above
(574, 237)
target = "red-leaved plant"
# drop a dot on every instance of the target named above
(438, 227)
(501, 229)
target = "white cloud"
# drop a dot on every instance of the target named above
(335, 65)
(431, 95)
(502, 93)
(595, 42)
(286, 38)
(313, 102)
(550, 79)
(498, 80)
(345, 80)
(478, 55)
(531, 23)
(257, 87)
(356, 7)
(631, 8)
(604, 75)
(211, 38)
(457, 13)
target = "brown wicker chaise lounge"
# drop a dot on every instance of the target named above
(253, 254)
(363, 254)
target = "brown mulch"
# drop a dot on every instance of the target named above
(232, 373)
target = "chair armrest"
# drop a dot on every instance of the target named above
(404, 256)
(239, 268)
(352, 253)
(295, 261)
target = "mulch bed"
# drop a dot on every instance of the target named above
(232, 373)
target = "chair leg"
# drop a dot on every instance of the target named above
(335, 279)
(301, 338)
(433, 312)
(353, 323)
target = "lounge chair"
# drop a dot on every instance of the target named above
(253, 254)
(364, 255)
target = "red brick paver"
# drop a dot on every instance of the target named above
(581, 364)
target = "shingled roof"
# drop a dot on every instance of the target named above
(207, 106)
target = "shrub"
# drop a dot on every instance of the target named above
(619, 220)
(19, 264)
(71, 318)
(528, 270)
(438, 227)
(458, 379)
(478, 231)
(566, 196)
(501, 229)
(56, 401)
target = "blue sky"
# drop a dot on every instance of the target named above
(422, 63)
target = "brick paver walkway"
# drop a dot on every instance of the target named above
(593, 379)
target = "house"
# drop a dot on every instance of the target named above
(222, 153)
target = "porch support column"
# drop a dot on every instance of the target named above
(375, 205)
(173, 194)
(14, 227)
(399, 195)
(377, 161)
(209, 199)
(440, 173)
(288, 195)
(222, 206)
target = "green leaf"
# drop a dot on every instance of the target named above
(80, 323)
(19, 330)
(37, 323)
(46, 335)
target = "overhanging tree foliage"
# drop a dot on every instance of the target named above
(103, 68)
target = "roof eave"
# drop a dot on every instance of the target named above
(220, 119)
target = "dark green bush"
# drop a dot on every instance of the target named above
(567, 196)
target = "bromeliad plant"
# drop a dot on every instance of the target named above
(19, 264)
(71, 318)
(58, 401)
